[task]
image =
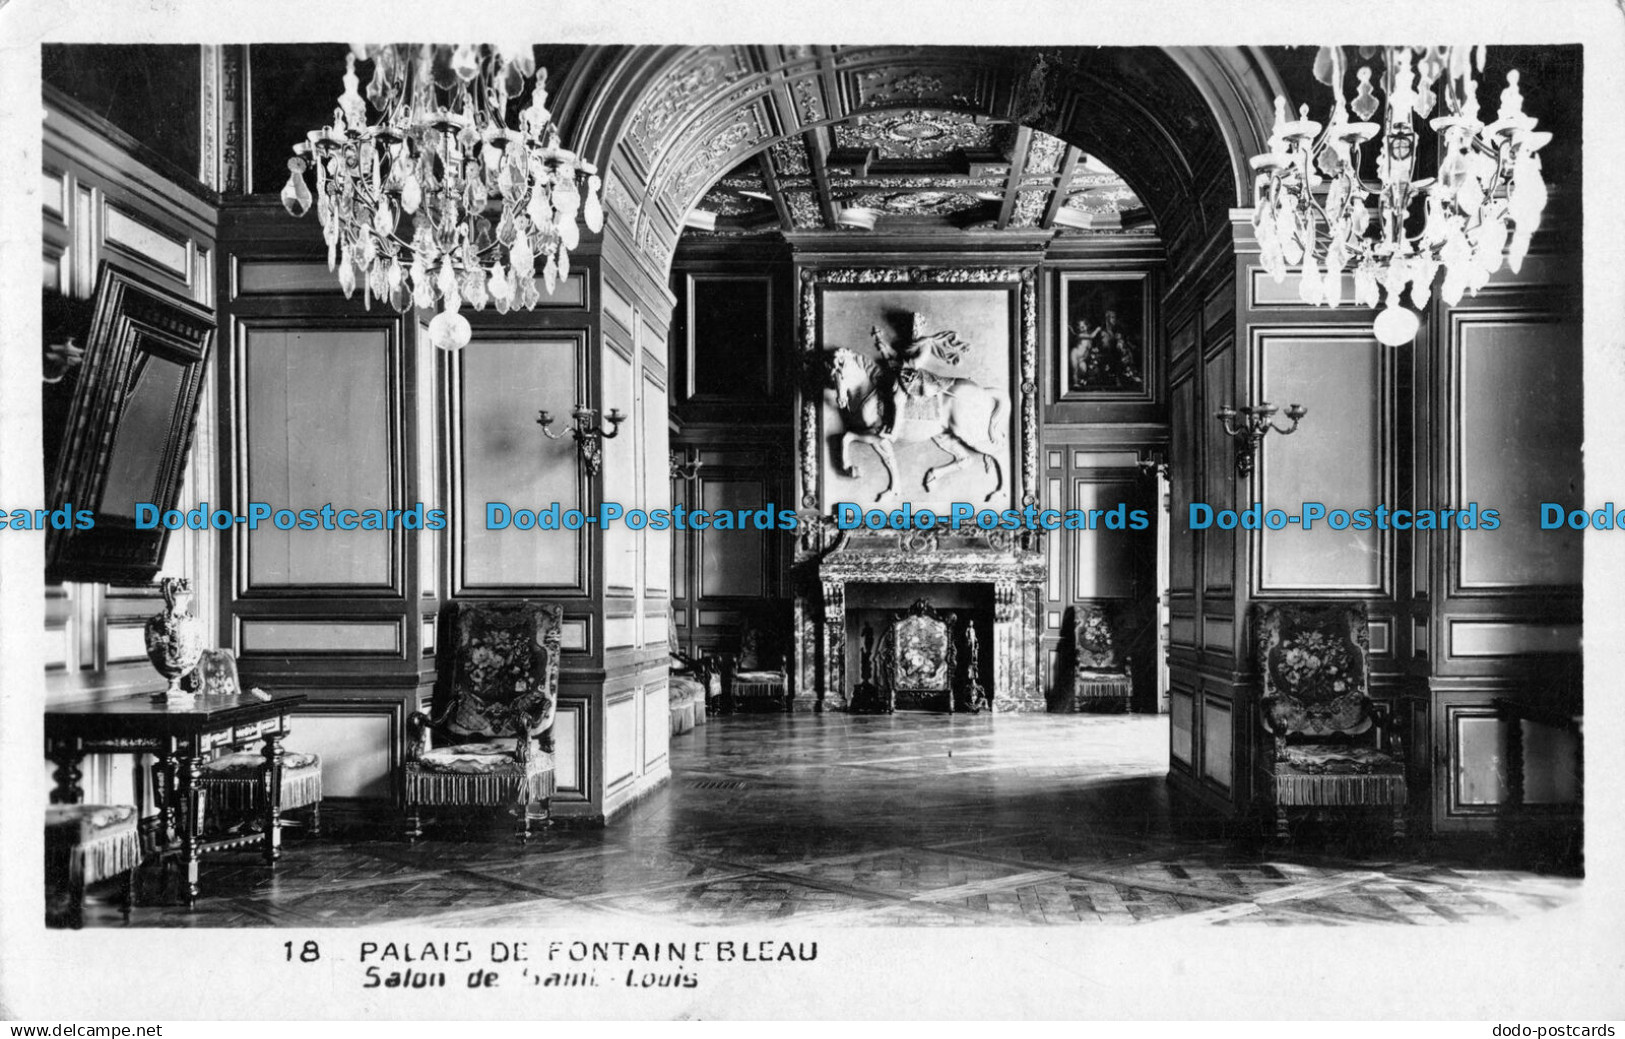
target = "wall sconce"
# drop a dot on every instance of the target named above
(1249, 426)
(684, 465)
(588, 436)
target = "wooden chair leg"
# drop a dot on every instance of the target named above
(524, 822)
(316, 818)
(1399, 822)
(129, 893)
(76, 906)
(414, 824)
(1282, 833)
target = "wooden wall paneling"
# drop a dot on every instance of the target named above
(620, 477)
(1218, 742)
(1471, 737)
(733, 564)
(572, 751)
(628, 749)
(656, 493)
(656, 725)
(119, 208)
(1104, 561)
(1219, 480)
(1342, 456)
(730, 574)
(1181, 728)
(1514, 434)
(359, 739)
(428, 420)
(499, 454)
(1184, 485)
(621, 720)
(318, 423)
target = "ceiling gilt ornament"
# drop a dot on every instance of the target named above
(679, 92)
(1044, 153)
(1030, 206)
(441, 202)
(790, 156)
(885, 86)
(803, 209)
(915, 203)
(727, 203)
(919, 133)
(1317, 210)
(746, 129)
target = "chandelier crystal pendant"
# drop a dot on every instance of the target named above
(441, 201)
(1317, 208)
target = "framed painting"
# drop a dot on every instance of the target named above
(128, 427)
(1103, 342)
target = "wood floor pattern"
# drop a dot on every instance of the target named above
(906, 820)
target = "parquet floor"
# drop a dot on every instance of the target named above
(912, 819)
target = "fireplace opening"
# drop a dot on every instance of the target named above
(872, 608)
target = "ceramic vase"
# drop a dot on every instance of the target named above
(174, 641)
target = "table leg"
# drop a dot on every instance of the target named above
(68, 757)
(271, 780)
(191, 769)
(164, 770)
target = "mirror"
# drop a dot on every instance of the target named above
(131, 403)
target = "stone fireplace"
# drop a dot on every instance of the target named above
(996, 583)
(993, 577)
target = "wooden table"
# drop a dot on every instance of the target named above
(181, 738)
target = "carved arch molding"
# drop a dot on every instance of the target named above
(666, 122)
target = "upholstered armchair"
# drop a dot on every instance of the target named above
(489, 740)
(757, 676)
(1327, 746)
(86, 844)
(1102, 679)
(688, 685)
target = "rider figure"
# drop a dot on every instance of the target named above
(908, 379)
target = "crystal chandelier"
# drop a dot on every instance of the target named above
(1314, 197)
(442, 201)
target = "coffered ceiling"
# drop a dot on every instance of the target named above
(920, 169)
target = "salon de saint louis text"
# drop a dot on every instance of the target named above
(953, 517)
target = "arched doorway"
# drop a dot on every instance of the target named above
(666, 124)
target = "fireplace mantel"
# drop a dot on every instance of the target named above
(1016, 575)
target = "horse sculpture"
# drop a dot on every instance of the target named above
(954, 427)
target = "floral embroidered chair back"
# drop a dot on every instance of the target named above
(1313, 661)
(760, 648)
(1097, 642)
(505, 673)
(1101, 677)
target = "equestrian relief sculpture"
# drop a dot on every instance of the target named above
(891, 399)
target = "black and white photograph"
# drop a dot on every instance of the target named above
(827, 513)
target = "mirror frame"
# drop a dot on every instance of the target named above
(134, 320)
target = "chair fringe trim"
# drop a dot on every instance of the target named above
(299, 789)
(462, 788)
(1115, 688)
(101, 858)
(1340, 790)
